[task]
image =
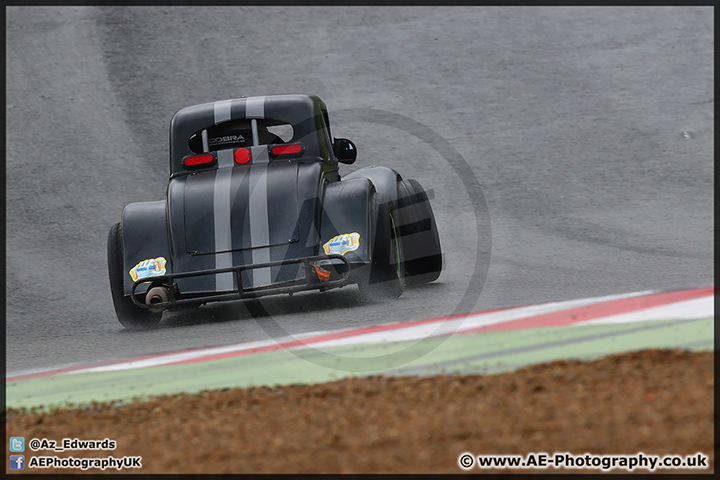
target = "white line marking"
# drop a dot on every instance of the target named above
(401, 332)
(696, 308)
(446, 327)
(177, 357)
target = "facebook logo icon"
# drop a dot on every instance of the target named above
(17, 462)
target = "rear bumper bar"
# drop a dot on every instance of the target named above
(340, 265)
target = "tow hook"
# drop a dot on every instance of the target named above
(155, 296)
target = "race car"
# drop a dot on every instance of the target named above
(255, 206)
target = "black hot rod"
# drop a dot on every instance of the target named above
(255, 206)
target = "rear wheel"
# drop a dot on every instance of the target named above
(130, 315)
(385, 278)
(418, 233)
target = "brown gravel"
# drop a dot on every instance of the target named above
(654, 401)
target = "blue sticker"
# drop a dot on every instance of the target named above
(151, 267)
(341, 244)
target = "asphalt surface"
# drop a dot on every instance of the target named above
(569, 151)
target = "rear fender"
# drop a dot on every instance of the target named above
(383, 178)
(345, 213)
(145, 242)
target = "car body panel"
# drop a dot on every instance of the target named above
(146, 237)
(346, 211)
(256, 206)
(242, 215)
(383, 178)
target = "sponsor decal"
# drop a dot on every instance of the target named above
(226, 139)
(341, 244)
(152, 267)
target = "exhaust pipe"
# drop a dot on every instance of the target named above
(157, 295)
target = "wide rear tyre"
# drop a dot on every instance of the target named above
(418, 233)
(386, 276)
(130, 315)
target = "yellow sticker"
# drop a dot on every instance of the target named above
(341, 244)
(151, 267)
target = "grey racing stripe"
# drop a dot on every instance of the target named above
(225, 159)
(255, 107)
(221, 205)
(260, 154)
(221, 218)
(222, 111)
(257, 205)
(259, 225)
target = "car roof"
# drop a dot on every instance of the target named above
(302, 111)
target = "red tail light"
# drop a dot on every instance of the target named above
(292, 149)
(242, 156)
(198, 160)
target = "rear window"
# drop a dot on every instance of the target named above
(238, 133)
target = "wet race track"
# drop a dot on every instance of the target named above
(569, 152)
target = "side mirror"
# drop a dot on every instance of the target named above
(344, 150)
